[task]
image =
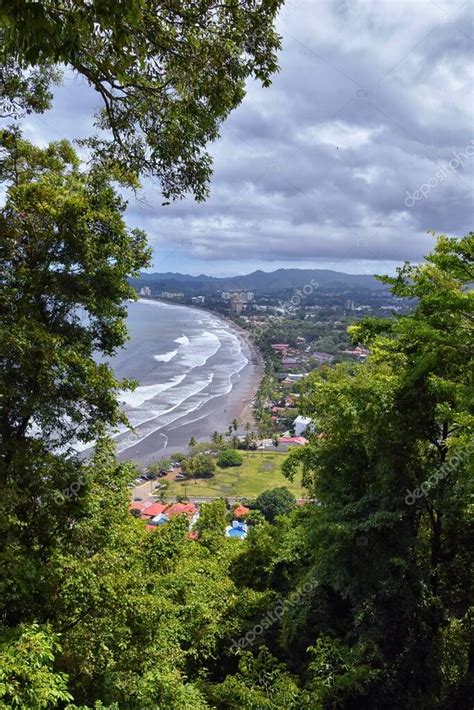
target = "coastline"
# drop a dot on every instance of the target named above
(214, 415)
(256, 358)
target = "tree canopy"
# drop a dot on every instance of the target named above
(274, 502)
(167, 74)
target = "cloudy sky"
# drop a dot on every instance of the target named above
(364, 142)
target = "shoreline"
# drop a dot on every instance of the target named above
(256, 357)
(215, 414)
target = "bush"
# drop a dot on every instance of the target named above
(229, 457)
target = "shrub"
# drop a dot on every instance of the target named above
(230, 457)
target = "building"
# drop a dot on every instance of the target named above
(236, 307)
(293, 440)
(349, 305)
(322, 358)
(198, 300)
(247, 296)
(241, 511)
(301, 424)
(159, 513)
(281, 348)
(172, 296)
(244, 297)
(145, 291)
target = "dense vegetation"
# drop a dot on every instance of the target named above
(363, 600)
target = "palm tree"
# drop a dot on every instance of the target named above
(235, 424)
(192, 442)
(276, 441)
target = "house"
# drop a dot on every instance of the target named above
(241, 511)
(300, 425)
(281, 348)
(322, 357)
(296, 440)
(289, 361)
(159, 513)
(292, 378)
(142, 507)
(188, 509)
(180, 508)
(151, 511)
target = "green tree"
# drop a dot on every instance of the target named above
(229, 457)
(393, 476)
(274, 502)
(167, 75)
(198, 466)
(27, 677)
(66, 255)
(211, 524)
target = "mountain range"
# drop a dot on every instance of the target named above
(259, 281)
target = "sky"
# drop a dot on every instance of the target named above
(362, 144)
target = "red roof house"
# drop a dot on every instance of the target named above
(154, 509)
(180, 508)
(240, 511)
(142, 506)
(298, 440)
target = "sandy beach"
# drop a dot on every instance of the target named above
(215, 414)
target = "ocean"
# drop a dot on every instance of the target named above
(195, 373)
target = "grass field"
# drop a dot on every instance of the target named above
(258, 472)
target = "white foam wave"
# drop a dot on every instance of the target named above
(148, 421)
(145, 392)
(202, 347)
(182, 340)
(166, 357)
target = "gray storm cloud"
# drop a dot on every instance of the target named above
(372, 104)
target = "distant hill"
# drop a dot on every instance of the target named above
(259, 281)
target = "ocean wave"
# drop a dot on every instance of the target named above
(166, 357)
(150, 421)
(146, 392)
(202, 347)
(182, 340)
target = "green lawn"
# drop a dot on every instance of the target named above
(258, 472)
